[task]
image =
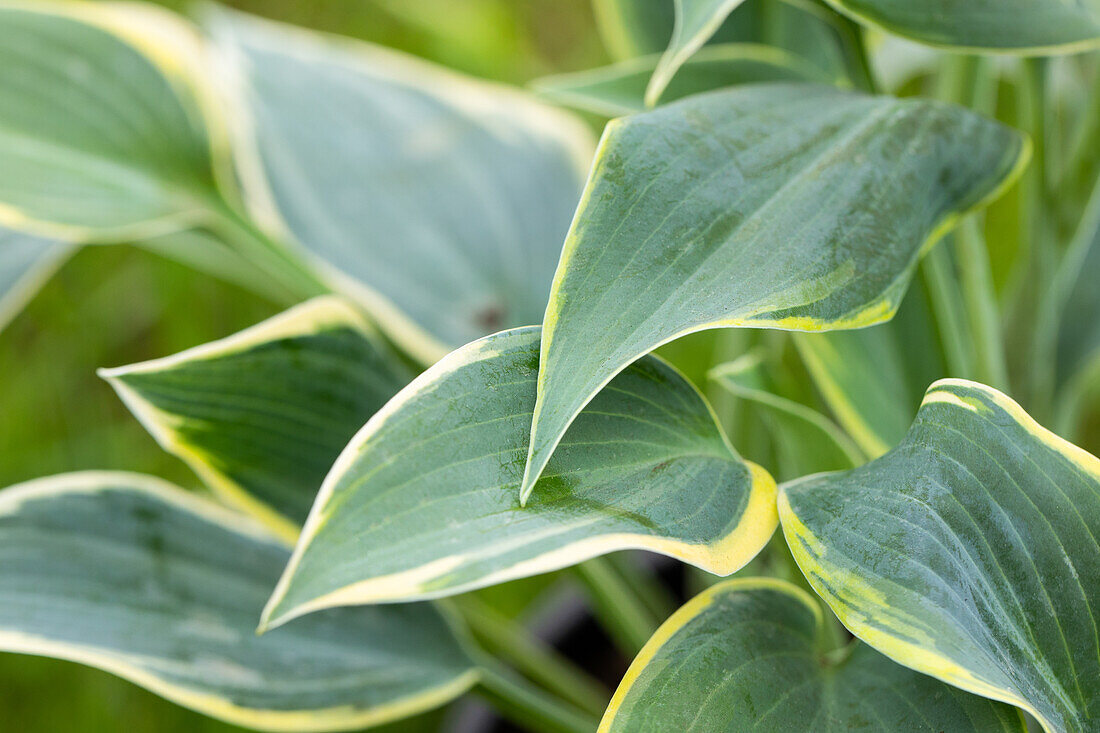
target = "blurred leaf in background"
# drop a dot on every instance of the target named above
(118, 305)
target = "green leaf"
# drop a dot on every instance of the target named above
(873, 379)
(632, 28)
(262, 415)
(806, 441)
(134, 576)
(696, 22)
(969, 553)
(102, 131)
(423, 502)
(620, 89)
(445, 213)
(861, 377)
(785, 206)
(26, 262)
(748, 654)
(1019, 26)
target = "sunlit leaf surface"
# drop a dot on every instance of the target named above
(424, 501)
(969, 552)
(134, 576)
(787, 206)
(748, 655)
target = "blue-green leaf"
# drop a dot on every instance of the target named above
(749, 654)
(134, 576)
(785, 206)
(969, 552)
(438, 201)
(262, 415)
(424, 503)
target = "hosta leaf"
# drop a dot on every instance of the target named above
(747, 654)
(696, 21)
(262, 415)
(806, 441)
(134, 576)
(1023, 26)
(444, 213)
(620, 89)
(773, 205)
(969, 552)
(423, 502)
(26, 262)
(101, 131)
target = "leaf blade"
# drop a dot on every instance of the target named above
(142, 156)
(619, 89)
(696, 22)
(476, 181)
(132, 575)
(746, 654)
(262, 414)
(950, 493)
(433, 512)
(1031, 28)
(692, 266)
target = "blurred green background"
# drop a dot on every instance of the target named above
(114, 305)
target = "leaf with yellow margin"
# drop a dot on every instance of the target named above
(789, 206)
(437, 200)
(969, 552)
(104, 133)
(134, 576)
(261, 415)
(749, 655)
(423, 502)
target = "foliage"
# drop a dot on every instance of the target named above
(395, 453)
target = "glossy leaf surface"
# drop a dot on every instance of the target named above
(424, 500)
(101, 132)
(1022, 26)
(747, 654)
(134, 576)
(787, 206)
(262, 415)
(437, 200)
(969, 552)
(620, 89)
(696, 22)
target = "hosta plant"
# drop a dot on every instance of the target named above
(858, 262)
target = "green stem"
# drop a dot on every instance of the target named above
(976, 283)
(616, 606)
(1036, 367)
(528, 706)
(511, 642)
(275, 259)
(947, 306)
(645, 583)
